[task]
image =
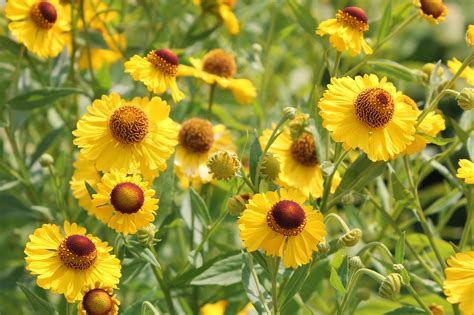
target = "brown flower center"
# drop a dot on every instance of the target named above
(128, 124)
(77, 252)
(127, 198)
(196, 135)
(220, 63)
(43, 14)
(97, 302)
(286, 217)
(374, 107)
(164, 60)
(354, 17)
(432, 7)
(303, 150)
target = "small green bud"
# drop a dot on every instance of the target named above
(146, 235)
(348, 199)
(290, 112)
(351, 238)
(466, 99)
(223, 165)
(399, 268)
(390, 286)
(363, 294)
(355, 263)
(237, 204)
(270, 167)
(46, 160)
(324, 247)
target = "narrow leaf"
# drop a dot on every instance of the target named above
(303, 17)
(47, 141)
(255, 153)
(385, 22)
(39, 305)
(336, 283)
(223, 273)
(40, 98)
(199, 207)
(400, 249)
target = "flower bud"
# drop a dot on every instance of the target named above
(348, 199)
(466, 99)
(390, 286)
(323, 247)
(270, 167)
(470, 36)
(436, 309)
(146, 235)
(223, 165)
(237, 204)
(355, 263)
(428, 69)
(46, 160)
(351, 238)
(363, 294)
(399, 268)
(299, 125)
(290, 112)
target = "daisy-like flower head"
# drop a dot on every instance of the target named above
(198, 141)
(39, 25)
(369, 114)
(459, 283)
(124, 202)
(466, 171)
(346, 31)
(219, 67)
(84, 171)
(157, 71)
(65, 264)
(299, 165)
(223, 10)
(116, 133)
(431, 125)
(432, 10)
(467, 73)
(281, 225)
(98, 299)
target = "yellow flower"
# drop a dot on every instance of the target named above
(98, 299)
(281, 225)
(198, 140)
(223, 10)
(116, 133)
(217, 308)
(101, 56)
(459, 283)
(300, 168)
(219, 67)
(468, 72)
(67, 263)
(346, 31)
(157, 71)
(432, 10)
(466, 171)
(369, 114)
(84, 171)
(431, 125)
(470, 36)
(124, 202)
(39, 25)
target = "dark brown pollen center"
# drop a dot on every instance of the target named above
(358, 13)
(127, 198)
(288, 214)
(374, 107)
(303, 150)
(432, 7)
(196, 135)
(48, 12)
(80, 245)
(128, 124)
(220, 63)
(97, 302)
(169, 56)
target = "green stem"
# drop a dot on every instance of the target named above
(159, 277)
(336, 64)
(418, 298)
(421, 214)
(211, 100)
(276, 266)
(470, 218)
(432, 105)
(376, 244)
(328, 182)
(342, 223)
(248, 182)
(257, 284)
(88, 45)
(16, 73)
(57, 187)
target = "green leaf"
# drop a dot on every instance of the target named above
(420, 242)
(361, 172)
(444, 203)
(400, 249)
(460, 132)
(436, 140)
(470, 146)
(336, 282)
(143, 254)
(40, 98)
(222, 273)
(293, 285)
(45, 144)
(255, 153)
(385, 22)
(199, 207)
(406, 310)
(252, 287)
(95, 38)
(10, 45)
(39, 305)
(90, 190)
(148, 308)
(394, 70)
(4, 186)
(303, 17)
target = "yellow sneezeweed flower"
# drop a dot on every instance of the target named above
(431, 125)
(219, 67)
(369, 114)
(468, 73)
(198, 141)
(116, 133)
(98, 299)
(100, 56)
(39, 25)
(466, 171)
(432, 10)
(470, 36)
(124, 201)
(157, 71)
(346, 31)
(66, 263)
(223, 10)
(459, 283)
(280, 224)
(84, 171)
(300, 168)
